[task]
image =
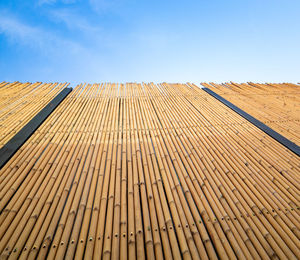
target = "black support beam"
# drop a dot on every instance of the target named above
(278, 137)
(11, 147)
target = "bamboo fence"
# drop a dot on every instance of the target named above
(136, 171)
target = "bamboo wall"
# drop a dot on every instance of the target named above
(135, 171)
(276, 105)
(20, 102)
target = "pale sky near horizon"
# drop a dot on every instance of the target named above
(134, 40)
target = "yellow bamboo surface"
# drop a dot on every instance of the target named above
(136, 171)
(20, 102)
(276, 105)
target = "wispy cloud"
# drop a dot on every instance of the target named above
(73, 20)
(42, 2)
(35, 37)
(47, 2)
(98, 5)
(105, 5)
(16, 30)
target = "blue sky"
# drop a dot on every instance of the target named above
(152, 40)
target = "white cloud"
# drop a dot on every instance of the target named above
(36, 37)
(69, 1)
(98, 5)
(73, 20)
(49, 2)
(104, 5)
(14, 29)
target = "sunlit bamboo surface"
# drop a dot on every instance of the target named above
(276, 105)
(20, 102)
(135, 171)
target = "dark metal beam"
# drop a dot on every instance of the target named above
(11, 147)
(278, 137)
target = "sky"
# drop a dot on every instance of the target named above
(150, 40)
